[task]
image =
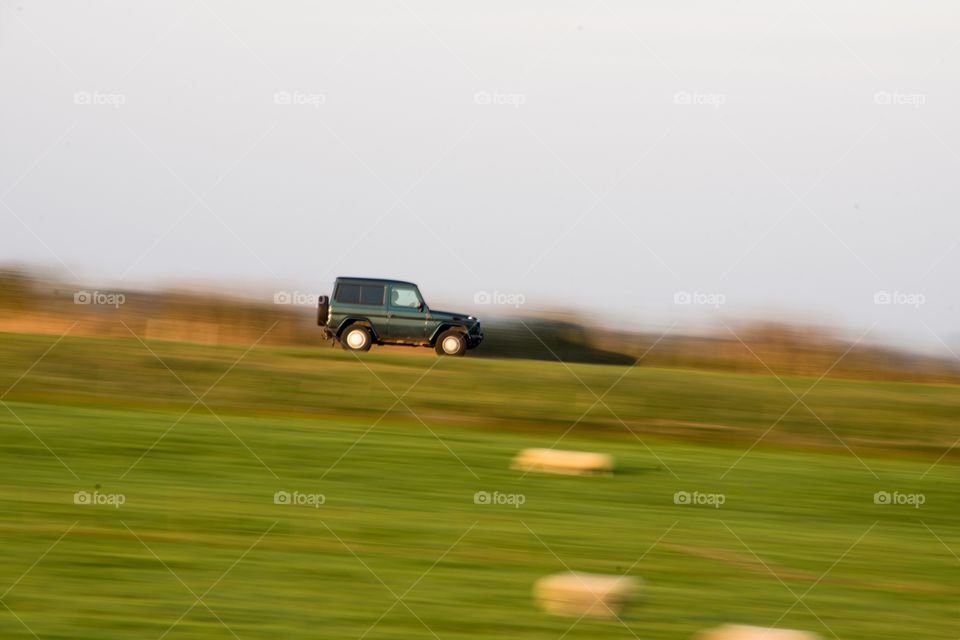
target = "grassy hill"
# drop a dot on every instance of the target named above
(118, 417)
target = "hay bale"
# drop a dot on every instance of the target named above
(585, 594)
(744, 632)
(566, 462)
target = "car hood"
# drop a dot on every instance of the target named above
(450, 315)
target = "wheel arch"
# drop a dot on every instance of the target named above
(443, 327)
(352, 320)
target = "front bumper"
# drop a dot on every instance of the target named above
(474, 339)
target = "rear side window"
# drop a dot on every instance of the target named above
(360, 294)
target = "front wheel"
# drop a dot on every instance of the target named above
(356, 338)
(451, 343)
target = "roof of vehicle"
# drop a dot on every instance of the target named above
(354, 279)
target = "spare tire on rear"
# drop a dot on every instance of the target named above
(323, 310)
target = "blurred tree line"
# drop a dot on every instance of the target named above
(31, 303)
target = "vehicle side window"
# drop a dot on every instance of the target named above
(360, 294)
(404, 297)
(371, 295)
(348, 293)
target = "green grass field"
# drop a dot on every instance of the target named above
(399, 549)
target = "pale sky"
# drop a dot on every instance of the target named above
(787, 159)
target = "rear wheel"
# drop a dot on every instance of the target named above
(451, 343)
(356, 338)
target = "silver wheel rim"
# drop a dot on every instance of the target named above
(356, 338)
(451, 345)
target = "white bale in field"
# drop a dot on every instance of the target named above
(744, 632)
(586, 594)
(557, 461)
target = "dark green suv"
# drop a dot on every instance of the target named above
(366, 311)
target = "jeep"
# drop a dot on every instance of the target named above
(367, 311)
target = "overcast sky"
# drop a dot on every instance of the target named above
(788, 159)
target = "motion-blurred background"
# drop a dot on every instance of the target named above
(716, 241)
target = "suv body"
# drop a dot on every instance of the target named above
(366, 311)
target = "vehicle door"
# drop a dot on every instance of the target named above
(406, 314)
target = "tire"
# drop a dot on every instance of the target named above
(451, 343)
(356, 337)
(323, 310)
